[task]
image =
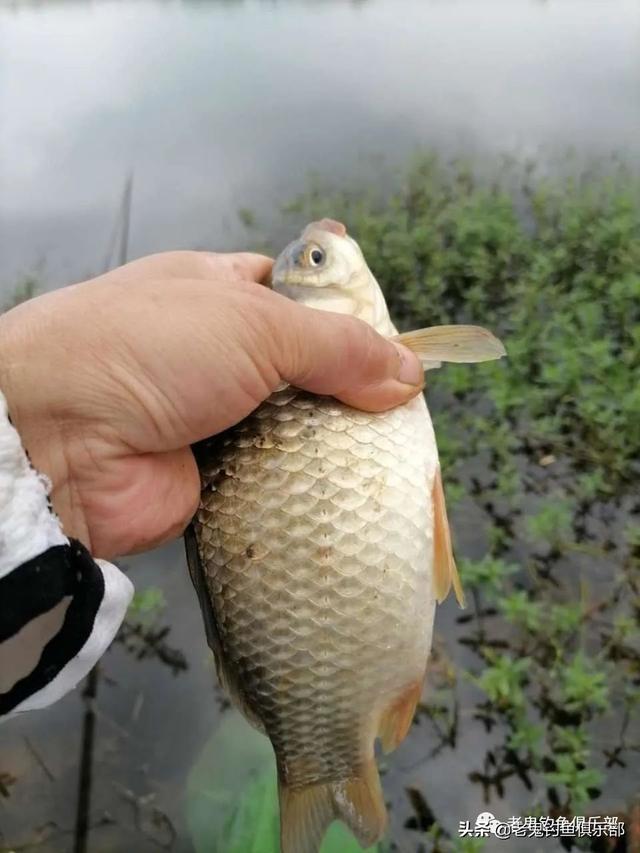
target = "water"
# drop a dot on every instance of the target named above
(216, 106)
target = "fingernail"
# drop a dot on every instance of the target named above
(410, 371)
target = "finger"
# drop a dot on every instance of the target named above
(245, 266)
(339, 355)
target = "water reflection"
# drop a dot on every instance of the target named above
(220, 105)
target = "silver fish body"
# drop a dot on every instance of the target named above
(318, 551)
(315, 536)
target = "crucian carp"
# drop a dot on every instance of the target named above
(319, 550)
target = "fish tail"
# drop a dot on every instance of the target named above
(306, 813)
(359, 802)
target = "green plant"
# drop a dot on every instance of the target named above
(520, 609)
(503, 681)
(552, 522)
(577, 781)
(146, 605)
(582, 686)
(488, 574)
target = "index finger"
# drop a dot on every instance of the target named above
(245, 266)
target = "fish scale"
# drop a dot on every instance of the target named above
(317, 562)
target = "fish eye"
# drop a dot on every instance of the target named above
(316, 257)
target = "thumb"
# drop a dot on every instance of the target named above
(339, 355)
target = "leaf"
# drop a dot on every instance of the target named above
(232, 796)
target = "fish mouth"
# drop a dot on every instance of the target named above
(283, 269)
(298, 289)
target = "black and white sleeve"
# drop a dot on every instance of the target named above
(59, 608)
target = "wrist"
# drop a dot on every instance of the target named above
(27, 526)
(59, 610)
(13, 365)
(6, 356)
(23, 386)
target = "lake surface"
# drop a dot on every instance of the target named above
(217, 106)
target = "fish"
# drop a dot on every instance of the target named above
(318, 552)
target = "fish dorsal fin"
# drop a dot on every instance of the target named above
(462, 344)
(445, 572)
(326, 224)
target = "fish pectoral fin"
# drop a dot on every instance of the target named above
(445, 571)
(462, 344)
(306, 813)
(226, 678)
(396, 720)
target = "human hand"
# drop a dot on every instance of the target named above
(110, 381)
